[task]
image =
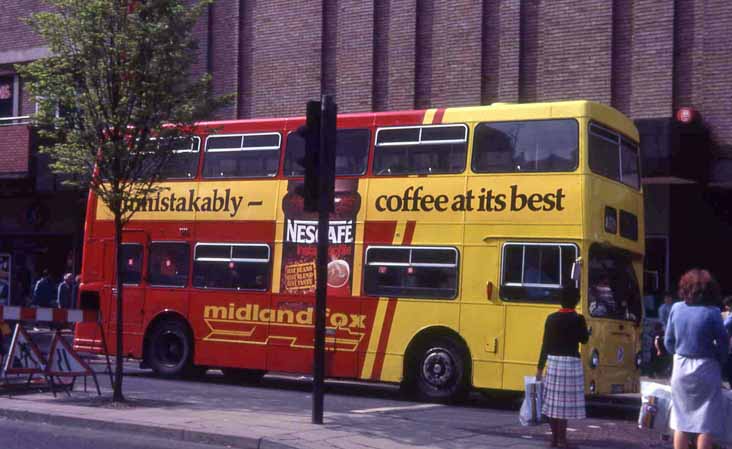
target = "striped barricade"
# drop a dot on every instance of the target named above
(25, 358)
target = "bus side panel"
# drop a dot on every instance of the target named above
(482, 319)
(525, 331)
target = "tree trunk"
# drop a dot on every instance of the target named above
(117, 396)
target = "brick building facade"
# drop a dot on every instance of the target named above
(647, 58)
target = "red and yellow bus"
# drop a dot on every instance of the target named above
(455, 232)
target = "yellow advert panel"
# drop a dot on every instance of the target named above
(525, 199)
(219, 200)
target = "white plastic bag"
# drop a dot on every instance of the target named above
(655, 411)
(726, 438)
(530, 413)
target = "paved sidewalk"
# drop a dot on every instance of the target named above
(269, 419)
(248, 428)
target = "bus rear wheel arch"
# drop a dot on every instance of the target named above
(437, 368)
(169, 347)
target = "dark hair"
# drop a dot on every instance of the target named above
(570, 296)
(44, 273)
(698, 287)
(728, 301)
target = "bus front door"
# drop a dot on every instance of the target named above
(134, 246)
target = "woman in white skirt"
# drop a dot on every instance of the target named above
(699, 342)
(564, 384)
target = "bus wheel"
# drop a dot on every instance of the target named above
(239, 375)
(169, 349)
(440, 371)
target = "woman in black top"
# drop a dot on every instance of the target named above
(564, 385)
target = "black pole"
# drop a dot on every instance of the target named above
(326, 181)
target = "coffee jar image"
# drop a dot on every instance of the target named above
(300, 239)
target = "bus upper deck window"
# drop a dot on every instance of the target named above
(613, 156)
(352, 151)
(242, 155)
(526, 146)
(417, 150)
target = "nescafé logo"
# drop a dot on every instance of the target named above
(415, 200)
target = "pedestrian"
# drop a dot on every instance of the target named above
(44, 293)
(564, 385)
(699, 342)
(75, 292)
(728, 327)
(660, 360)
(665, 309)
(64, 292)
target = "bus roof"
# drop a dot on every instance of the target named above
(607, 115)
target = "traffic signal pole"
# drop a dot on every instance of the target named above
(325, 197)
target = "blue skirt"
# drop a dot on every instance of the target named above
(696, 393)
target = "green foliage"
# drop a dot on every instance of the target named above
(118, 78)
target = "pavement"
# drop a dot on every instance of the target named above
(270, 418)
(263, 424)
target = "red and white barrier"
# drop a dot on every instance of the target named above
(47, 314)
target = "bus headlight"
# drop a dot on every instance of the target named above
(594, 359)
(593, 387)
(638, 360)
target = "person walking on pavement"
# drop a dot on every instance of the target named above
(43, 292)
(564, 385)
(665, 309)
(65, 291)
(699, 342)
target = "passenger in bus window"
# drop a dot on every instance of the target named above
(602, 298)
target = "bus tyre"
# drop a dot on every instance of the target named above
(239, 375)
(169, 349)
(441, 374)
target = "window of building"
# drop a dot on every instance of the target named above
(411, 272)
(231, 266)
(613, 156)
(419, 150)
(614, 291)
(536, 271)
(242, 155)
(8, 102)
(132, 268)
(169, 264)
(352, 151)
(526, 146)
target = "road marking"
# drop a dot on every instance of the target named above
(390, 409)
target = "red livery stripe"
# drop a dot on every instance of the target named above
(438, 116)
(385, 331)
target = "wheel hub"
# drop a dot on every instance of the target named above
(438, 368)
(169, 349)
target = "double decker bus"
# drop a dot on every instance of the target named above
(454, 234)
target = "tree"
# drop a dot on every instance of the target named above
(115, 99)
